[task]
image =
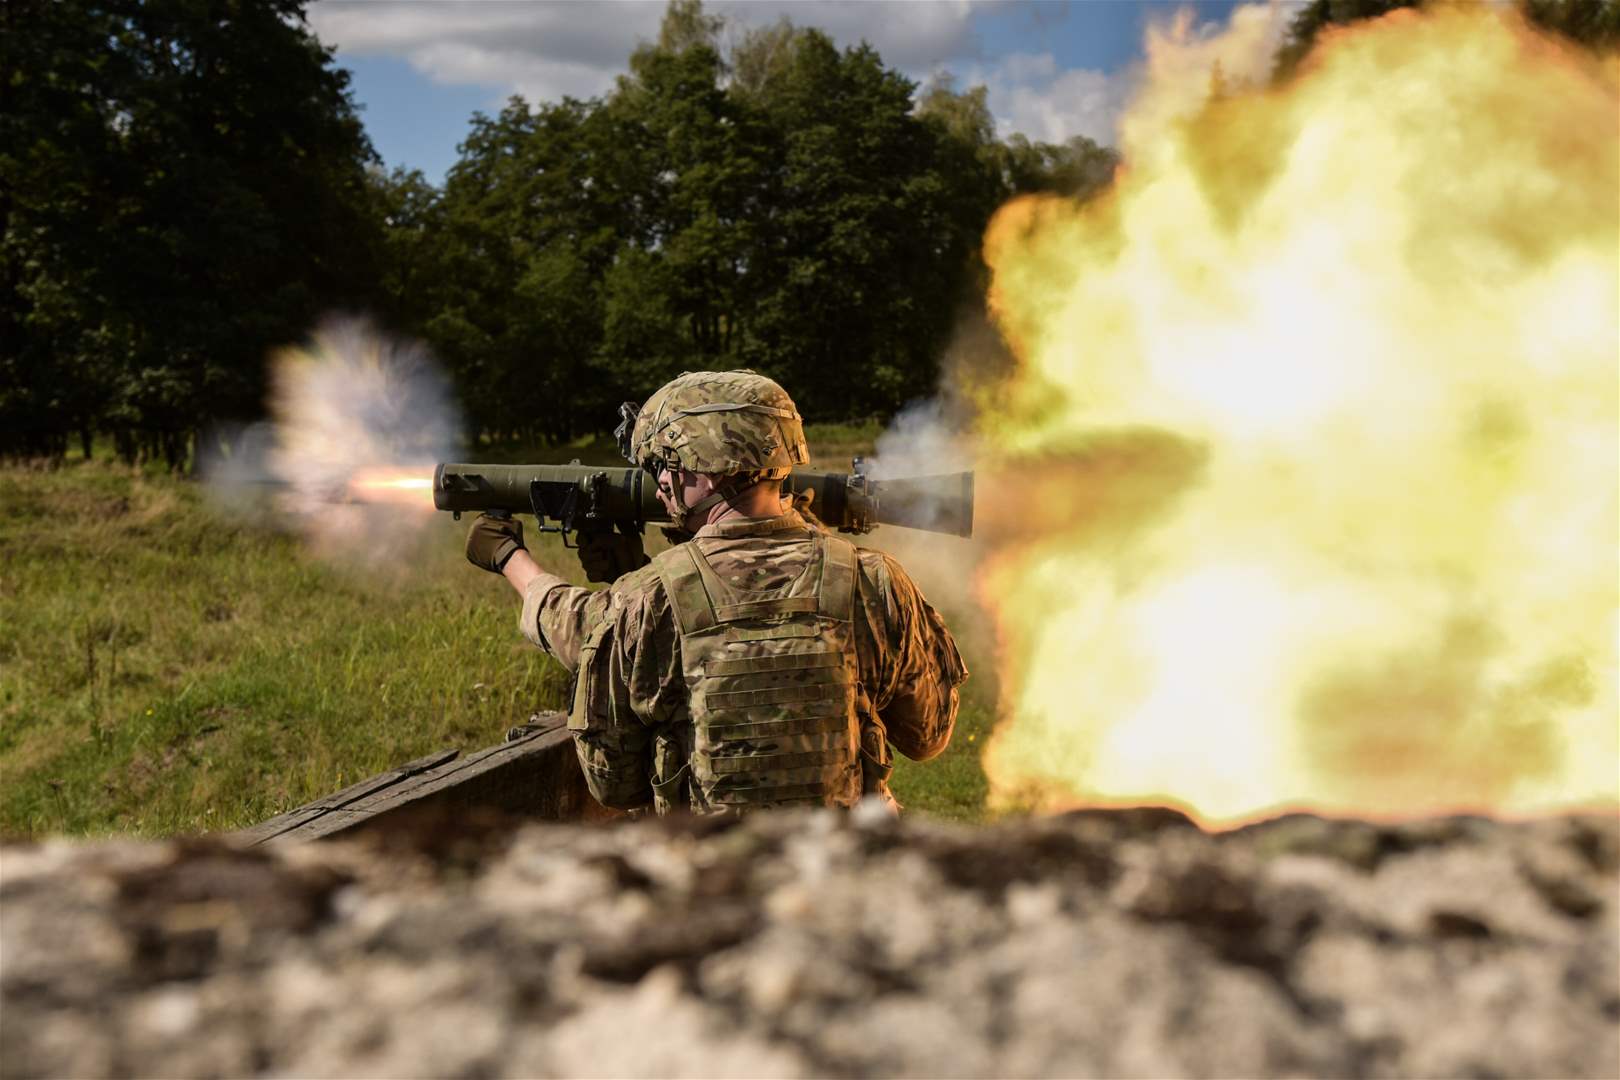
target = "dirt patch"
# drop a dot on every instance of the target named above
(1095, 944)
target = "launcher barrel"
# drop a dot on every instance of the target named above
(584, 496)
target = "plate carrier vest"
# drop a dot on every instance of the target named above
(772, 682)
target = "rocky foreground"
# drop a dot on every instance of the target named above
(1096, 944)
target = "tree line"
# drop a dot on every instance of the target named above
(185, 184)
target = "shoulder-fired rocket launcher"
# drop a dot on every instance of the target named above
(573, 497)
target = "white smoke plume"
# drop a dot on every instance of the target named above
(935, 437)
(357, 422)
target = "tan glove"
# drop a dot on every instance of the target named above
(802, 501)
(492, 541)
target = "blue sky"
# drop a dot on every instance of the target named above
(422, 67)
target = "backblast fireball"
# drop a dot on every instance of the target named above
(1321, 396)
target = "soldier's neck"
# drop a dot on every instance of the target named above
(760, 501)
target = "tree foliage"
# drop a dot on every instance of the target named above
(1593, 23)
(185, 184)
(182, 185)
(782, 204)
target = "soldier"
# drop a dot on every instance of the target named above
(763, 660)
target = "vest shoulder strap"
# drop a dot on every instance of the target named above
(835, 597)
(679, 570)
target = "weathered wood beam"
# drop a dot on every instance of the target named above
(536, 775)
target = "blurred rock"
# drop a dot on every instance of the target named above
(1094, 944)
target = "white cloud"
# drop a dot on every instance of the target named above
(910, 36)
(1030, 93)
(544, 49)
(541, 50)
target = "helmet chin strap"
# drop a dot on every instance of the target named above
(682, 514)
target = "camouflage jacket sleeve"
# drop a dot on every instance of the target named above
(620, 644)
(909, 660)
(557, 617)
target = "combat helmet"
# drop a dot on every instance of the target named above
(735, 424)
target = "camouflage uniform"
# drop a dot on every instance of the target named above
(760, 663)
(632, 714)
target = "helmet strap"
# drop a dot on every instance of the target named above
(703, 504)
(725, 492)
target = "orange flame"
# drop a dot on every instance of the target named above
(1316, 429)
(404, 487)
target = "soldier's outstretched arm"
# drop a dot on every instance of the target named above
(522, 572)
(495, 544)
(558, 616)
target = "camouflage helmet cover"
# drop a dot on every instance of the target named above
(720, 422)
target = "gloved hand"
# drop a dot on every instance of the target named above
(492, 540)
(801, 502)
(609, 554)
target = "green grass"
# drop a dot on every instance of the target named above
(953, 784)
(165, 667)
(833, 445)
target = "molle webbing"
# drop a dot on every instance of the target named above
(771, 679)
(760, 609)
(702, 601)
(775, 632)
(754, 796)
(753, 763)
(758, 665)
(787, 725)
(812, 690)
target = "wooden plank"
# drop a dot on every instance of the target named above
(299, 816)
(536, 775)
(330, 823)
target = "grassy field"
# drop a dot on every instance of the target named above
(166, 667)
